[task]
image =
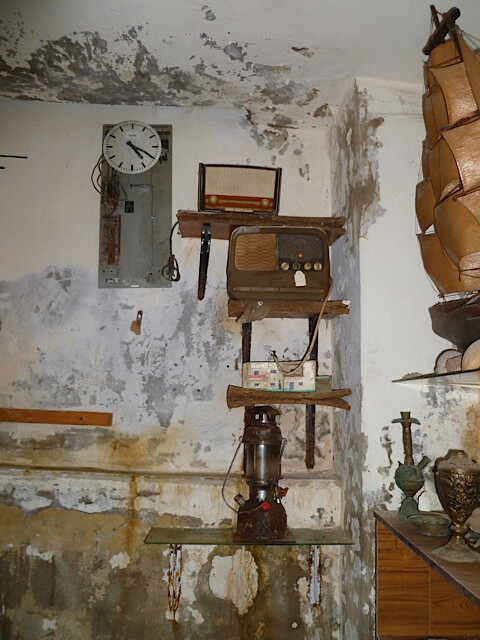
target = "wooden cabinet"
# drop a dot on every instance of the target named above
(419, 596)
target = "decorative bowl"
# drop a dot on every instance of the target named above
(431, 524)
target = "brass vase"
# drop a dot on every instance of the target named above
(457, 479)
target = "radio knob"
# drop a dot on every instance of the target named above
(318, 266)
(307, 266)
(296, 266)
(285, 266)
(213, 199)
(265, 203)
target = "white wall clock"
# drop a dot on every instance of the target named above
(132, 147)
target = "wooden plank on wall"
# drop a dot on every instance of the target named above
(45, 416)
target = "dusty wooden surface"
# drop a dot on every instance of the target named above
(419, 595)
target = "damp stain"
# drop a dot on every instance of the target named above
(358, 173)
(323, 111)
(81, 68)
(303, 51)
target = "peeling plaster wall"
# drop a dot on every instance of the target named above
(353, 189)
(179, 54)
(376, 149)
(83, 498)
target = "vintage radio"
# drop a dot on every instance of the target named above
(278, 263)
(223, 187)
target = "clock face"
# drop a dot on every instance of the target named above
(132, 147)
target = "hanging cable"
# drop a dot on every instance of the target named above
(171, 270)
(312, 341)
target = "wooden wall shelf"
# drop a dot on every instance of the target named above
(222, 224)
(49, 416)
(241, 397)
(419, 595)
(302, 309)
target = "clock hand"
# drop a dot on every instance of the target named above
(136, 149)
(148, 154)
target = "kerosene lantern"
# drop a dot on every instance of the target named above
(262, 516)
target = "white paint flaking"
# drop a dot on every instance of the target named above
(120, 560)
(49, 625)
(235, 578)
(32, 551)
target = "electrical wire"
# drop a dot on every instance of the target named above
(171, 270)
(312, 341)
(107, 184)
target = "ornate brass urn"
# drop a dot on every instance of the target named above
(457, 479)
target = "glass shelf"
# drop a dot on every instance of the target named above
(297, 537)
(459, 378)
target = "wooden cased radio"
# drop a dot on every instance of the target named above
(223, 187)
(278, 263)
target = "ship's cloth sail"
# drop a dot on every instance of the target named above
(425, 204)
(472, 67)
(457, 92)
(447, 200)
(443, 272)
(464, 143)
(442, 170)
(457, 226)
(435, 115)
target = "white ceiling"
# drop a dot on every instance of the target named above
(290, 60)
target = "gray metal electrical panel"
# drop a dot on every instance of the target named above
(135, 221)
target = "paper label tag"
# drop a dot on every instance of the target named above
(300, 280)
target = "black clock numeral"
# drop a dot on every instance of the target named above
(143, 165)
(121, 129)
(112, 136)
(121, 163)
(131, 167)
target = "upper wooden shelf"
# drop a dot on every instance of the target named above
(222, 224)
(242, 397)
(292, 308)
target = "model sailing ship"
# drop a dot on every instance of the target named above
(448, 197)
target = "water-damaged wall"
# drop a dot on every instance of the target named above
(376, 149)
(77, 502)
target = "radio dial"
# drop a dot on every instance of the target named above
(318, 266)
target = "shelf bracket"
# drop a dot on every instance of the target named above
(174, 580)
(310, 408)
(205, 243)
(315, 565)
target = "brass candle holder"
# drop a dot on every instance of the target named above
(457, 480)
(409, 476)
